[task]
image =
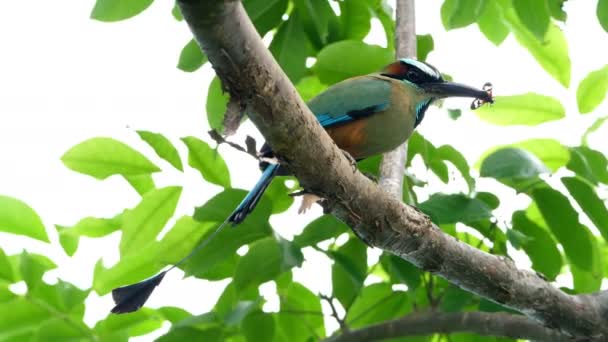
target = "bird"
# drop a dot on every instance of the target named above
(364, 115)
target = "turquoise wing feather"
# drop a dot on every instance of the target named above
(350, 100)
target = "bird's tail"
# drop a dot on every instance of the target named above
(253, 197)
(132, 297)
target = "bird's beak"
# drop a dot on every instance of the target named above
(451, 89)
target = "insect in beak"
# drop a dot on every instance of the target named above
(487, 87)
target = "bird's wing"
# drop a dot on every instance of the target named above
(350, 100)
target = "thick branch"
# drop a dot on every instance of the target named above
(428, 323)
(252, 76)
(393, 163)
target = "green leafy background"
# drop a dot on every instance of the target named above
(526, 178)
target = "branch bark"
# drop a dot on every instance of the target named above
(251, 75)
(428, 323)
(393, 163)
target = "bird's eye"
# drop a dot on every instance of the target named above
(414, 76)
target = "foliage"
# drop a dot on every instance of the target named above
(556, 231)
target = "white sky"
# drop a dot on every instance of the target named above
(65, 78)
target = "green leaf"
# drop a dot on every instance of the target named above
(102, 157)
(177, 13)
(142, 224)
(229, 299)
(447, 209)
(68, 242)
(321, 229)
(216, 105)
(265, 14)
(602, 13)
(592, 90)
(492, 24)
(141, 183)
(355, 18)
(148, 260)
(131, 268)
(115, 10)
(551, 54)
(551, 152)
(511, 166)
(32, 267)
(348, 271)
(377, 303)
(20, 318)
(290, 47)
(60, 329)
(174, 314)
(589, 281)
(241, 310)
(309, 87)
(562, 219)
(163, 148)
(454, 299)
(16, 217)
(589, 164)
(94, 227)
(383, 12)
(541, 247)
(61, 298)
(266, 259)
(454, 114)
(424, 45)
(556, 9)
(528, 109)
(7, 274)
(535, 16)
(215, 334)
(488, 229)
(349, 58)
(594, 127)
(207, 161)
(299, 328)
(460, 13)
(278, 194)
(315, 16)
(489, 199)
(449, 153)
(225, 243)
(258, 326)
(401, 271)
(584, 194)
(181, 239)
(191, 58)
(134, 324)
(417, 144)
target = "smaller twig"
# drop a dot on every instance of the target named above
(334, 312)
(250, 150)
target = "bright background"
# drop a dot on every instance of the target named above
(65, 78)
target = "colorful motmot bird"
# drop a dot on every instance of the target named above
(365, 116)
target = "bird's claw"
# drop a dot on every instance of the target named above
(351, 160)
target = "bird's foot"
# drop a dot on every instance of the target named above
(353, 161)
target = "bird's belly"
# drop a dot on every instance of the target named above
(371, 136)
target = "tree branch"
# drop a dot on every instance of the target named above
(251, 75)
(393, 163)
(427, 323)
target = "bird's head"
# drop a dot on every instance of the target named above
(426, 80)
